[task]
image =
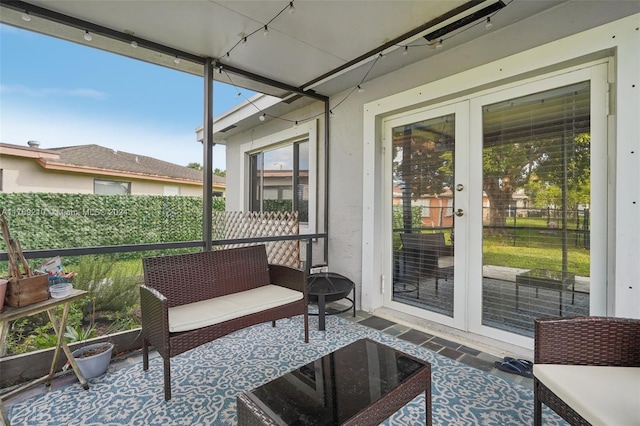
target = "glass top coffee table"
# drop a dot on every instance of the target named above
(362, 383)
(549, 280)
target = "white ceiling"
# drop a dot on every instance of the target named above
(318, 38)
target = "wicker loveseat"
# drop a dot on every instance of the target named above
(190, 299)
(587, 369)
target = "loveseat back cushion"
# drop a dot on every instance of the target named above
(215, 311)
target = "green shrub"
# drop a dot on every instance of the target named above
(112, 285)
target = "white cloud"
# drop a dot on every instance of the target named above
(52, 91)
(60, 129)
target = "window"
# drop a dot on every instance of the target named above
(171, 190)
(111, 187)
(275, 173)
(426, 206)
(279, 173)
(449, 209)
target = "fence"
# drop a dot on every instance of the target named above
(232, 225)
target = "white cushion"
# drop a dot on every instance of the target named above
(601, 395)
(445, 262)
(213, 311)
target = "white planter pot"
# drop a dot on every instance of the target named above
(94, 365)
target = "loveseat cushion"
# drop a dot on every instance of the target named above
(213, 311)
(601, 395)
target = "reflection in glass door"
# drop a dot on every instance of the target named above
(422, 217)
(536, 208)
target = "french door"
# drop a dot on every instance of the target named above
(491, 222)
(425, 176)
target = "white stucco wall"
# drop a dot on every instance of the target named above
(25, 175)
(550, 41)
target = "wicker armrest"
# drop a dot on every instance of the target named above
(588, 341)
(155, 317)
(289, 277)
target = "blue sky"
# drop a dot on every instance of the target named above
(61, 94)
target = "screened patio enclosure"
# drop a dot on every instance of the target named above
(512, 235)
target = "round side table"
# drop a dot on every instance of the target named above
(325, 287)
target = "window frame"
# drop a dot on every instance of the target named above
(303, 131)
(96, 180)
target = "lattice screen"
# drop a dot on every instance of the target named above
(229, 225)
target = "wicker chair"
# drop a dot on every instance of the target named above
(588, 341)
(428, 253)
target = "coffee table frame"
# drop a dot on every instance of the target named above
(251, 412)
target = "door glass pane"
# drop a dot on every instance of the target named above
(423, 234)
(536, 199)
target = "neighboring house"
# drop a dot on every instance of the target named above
(94, 169)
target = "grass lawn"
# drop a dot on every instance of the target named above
(532, 245)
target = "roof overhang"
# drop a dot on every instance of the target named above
(318, 51)
(325, 48)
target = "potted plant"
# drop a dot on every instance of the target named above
(92, 360)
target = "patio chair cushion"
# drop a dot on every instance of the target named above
(219, 309)
(445, 262)
(602, 395)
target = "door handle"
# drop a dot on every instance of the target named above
(459, 212)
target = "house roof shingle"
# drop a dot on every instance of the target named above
(96, 156)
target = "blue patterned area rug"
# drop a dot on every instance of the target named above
(206, 380)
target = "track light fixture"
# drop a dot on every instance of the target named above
(87, 36)
(292, 9)
(25, 16)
